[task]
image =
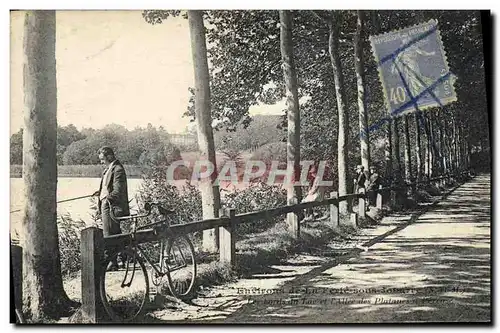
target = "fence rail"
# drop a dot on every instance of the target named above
(94, 244)
(143, 236)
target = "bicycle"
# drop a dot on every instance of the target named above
(175, 260)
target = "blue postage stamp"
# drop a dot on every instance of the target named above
(413, 68)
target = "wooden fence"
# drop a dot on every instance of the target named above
(93, 243)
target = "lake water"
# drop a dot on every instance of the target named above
(67, 188)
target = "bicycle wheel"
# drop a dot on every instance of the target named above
(124, 291)
(181, 266)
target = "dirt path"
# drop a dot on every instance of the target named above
(425, 267)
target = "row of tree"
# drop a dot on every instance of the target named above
(338, 76)
(75, 147)
(144, 145)
(323, 57)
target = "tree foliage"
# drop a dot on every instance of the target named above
(244, 57)
(138, 146)
(16, 147)
(262, 130)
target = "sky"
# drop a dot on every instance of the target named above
(113, 67)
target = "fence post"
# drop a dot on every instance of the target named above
(227, 245)
(379, 197)
(362, 202)
(334, 210)
(92, 249)
(396, 196)
(293, 220)
(17, 274)
(353, 221)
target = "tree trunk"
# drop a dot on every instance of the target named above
(363, 116)
(454, 143)
(427, 156)
(451, 140)
(388, 152)
(432, 151)
(447, 138)
(459, 147)
(458, 165)
(292, 102)
(397, 179)
(463, 141)
(419, 120)
(418, 147)
(43, 293)
(468, 154)
(441, 145)
(210, 194)
(468, 148)
(333, 46)
(408, 171)
(375, 18)
(437, 140)
(428, 150)
(396, 152)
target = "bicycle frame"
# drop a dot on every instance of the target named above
(159, 268)
(137, 250)
(151, 263)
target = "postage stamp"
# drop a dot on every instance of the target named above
(413, 68)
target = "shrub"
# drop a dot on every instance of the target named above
(231, 155)
(275, 151)
(259, 196)
(186, 200)
(69, 243)
(16, 171)
(162, 155)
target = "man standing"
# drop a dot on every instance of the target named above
(360, 180)
(112, 194)
(373, 186)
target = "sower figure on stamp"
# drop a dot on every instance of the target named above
(112, 194)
